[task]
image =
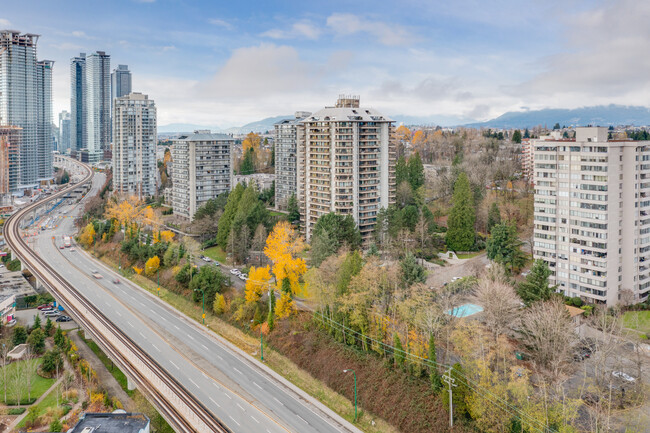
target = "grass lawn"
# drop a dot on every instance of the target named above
(48, 402)
(39, 386)
(116, 372)
(637, 320)
(216, 253)
(469, 255)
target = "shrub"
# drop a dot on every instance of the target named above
(16, 411)
(56, 426)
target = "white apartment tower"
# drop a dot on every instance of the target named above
(134, 145)
(346, 164)
(287, 134)
(201, 170)
(592, 215)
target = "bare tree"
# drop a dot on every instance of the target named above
(4, 354)
(18, 381)
(549, 334)
(627, 298)
(422, 230)
(501, 305)
(259, 240)
(31, 364)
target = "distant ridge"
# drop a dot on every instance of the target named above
(258, 126)
(600, 115)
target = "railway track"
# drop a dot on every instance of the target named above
(183, 411)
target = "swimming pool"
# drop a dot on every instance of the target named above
(465, 310)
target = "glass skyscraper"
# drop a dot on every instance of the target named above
(78, 135)
(98, 104)
(26, 101)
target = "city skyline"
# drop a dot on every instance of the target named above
(454, 62)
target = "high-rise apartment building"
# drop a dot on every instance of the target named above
(97, 98)
(592, 215)
(78, 132)
(201, 170)
(134, 145)
(287, 134)
(120, 82)
(9, 162)
(346, 164)
(26, 101)
(64, 132)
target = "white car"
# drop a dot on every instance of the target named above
(243, 277)
(455, 279)
(623, 376)
(206, 259)
(235, 271)
(52, 313)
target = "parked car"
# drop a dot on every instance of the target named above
(216, 263)
(10, 323)
(243, 277)
(206, 259)
(455, 279)
(64, 319)
(44, 306)
(72, 250)
(623, 376)
(235, 271)
(52, 313)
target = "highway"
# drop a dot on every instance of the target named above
(243, 394)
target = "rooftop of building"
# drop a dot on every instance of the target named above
(124, 422)
(14, 283)
(204, 135)
(298, 116)
(347, 114)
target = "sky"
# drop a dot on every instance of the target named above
(226, 63)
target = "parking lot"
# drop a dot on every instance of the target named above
(26, 318)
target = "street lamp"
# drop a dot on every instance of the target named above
(203, 295)
(355, 392)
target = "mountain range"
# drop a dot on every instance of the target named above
(600, 115)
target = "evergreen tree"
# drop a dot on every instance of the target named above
(516, 136)
(247, 165)
(271, 317)
(460, 234)
(36, 341)
(494, 216)
(526, 133)
(556, 126)
(415, 171)
(459, 394)
(537, 286)
(20, 335)
(412, 272)
(503, 246)
(401, 170)
(399, 351)
(434, 377)
(286, 286)
(223, 230)
(323, 245)
(37, 322)
(59, 338)
(48, 327)
(292, 209)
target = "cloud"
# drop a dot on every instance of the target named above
(220, 23)
(67, 46)
(604, 59)
(169, 48)
(79, 34)
(5, 22)
(387, 34)
(301, 29)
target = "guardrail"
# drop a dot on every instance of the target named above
(175, 403)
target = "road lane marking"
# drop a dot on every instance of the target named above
(240, 406)
(255, 419)
(175, 365)
(130, 324)
(118, 313)
(190, 336)
(205, 347)
(155, 347)
(234, 420)
(142, 334)
(278, 401)
(255, 383)
(212, 400)
(228, 396)
(219, 356)
(302, 419)
(235, 368)
(194, 383)
(177, 327)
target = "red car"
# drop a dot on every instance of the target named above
(44, 306)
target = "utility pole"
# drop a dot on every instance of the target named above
(450, 381)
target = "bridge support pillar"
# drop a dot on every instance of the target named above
(130, 385)
(87, 335)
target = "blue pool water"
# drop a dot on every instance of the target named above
(465, 310)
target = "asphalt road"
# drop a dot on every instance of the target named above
(244, 396)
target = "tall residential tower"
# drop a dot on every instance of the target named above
(97, 100)
(134, 145)
(346, 164)
(26, 102)
(592, 215)
(287, 134)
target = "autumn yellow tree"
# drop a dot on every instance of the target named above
(87, 236)
(403, 133)
(418, 137)
(152, 266)
(282, 247)
(252, 140)
(130, 211)
(257, 283)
